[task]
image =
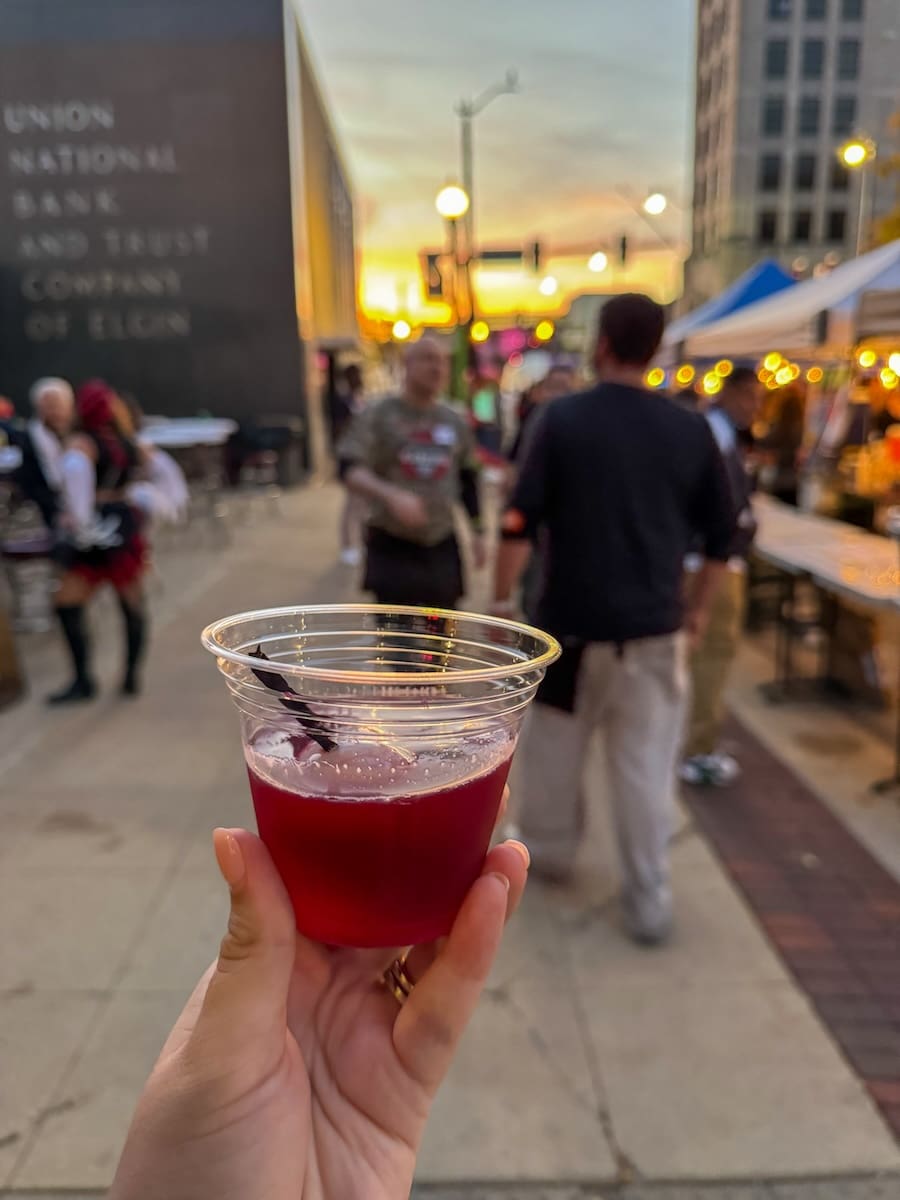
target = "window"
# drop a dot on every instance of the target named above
(770, 173)
(836, 226)
(773, 116)
(808, 123)
(780, 10)
(840, 177)
(852, 10)
(805, 172)
(767, 229)
(844, 114)
(816, 10)
(848, 58)
(776, 59)
(802, 225)
(813, 58)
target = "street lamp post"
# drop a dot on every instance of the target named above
(858, 155)
(453, 203)
(467, 111)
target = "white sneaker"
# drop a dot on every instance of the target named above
(710, 770)
(725, 769)
(695, 771)
(351, 556)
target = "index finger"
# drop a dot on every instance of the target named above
(428, 1028)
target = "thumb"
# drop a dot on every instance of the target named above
(248, 988)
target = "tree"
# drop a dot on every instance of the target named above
(887, 229)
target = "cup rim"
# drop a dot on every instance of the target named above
(550, 653)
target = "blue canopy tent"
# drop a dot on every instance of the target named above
(817, 318)
(764, 279)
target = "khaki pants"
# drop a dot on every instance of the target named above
(711, 664)
(637, 696)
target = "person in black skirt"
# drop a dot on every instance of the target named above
(102, 540)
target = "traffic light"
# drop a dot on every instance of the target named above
(623, 250)
(434, 278)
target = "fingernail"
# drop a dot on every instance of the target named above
(228, 856)
(523, 850)
(502, 878)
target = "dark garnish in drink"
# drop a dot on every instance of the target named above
(301, 710)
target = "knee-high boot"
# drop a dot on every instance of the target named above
(72, 620)
(135, 642)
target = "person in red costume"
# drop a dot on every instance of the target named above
(102, 541)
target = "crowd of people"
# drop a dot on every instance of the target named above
(98, 488)
(636, 510)
(625, 529)
(625, 533)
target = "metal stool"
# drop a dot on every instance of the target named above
(259, 480)
(28, 564)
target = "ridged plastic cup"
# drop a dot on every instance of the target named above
(378, 742)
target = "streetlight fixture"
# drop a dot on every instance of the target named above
(452, 202)
(857, 152)
(656, 204)
(549, 285)
(598, 262)
(652, 206)
(857, 155)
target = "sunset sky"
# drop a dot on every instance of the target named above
(606, 94)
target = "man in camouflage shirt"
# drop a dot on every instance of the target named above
(413, 458)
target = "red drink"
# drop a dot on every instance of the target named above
(378, 741)
(378, 848)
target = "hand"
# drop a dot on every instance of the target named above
(408, 508)
(479, 551)
(293, 1074)
(696, 622)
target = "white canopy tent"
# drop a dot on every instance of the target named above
(818, 314)
(879, 315)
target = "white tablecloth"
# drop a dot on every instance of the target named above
(838, 557)
(182, 433)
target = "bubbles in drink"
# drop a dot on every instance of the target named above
(361, 769)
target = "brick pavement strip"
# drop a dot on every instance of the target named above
(830, 910)
(881, 1187)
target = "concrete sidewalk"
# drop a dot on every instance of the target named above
(590, 1062)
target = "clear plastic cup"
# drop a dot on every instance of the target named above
(378, 742)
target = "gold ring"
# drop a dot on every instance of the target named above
(396, 980)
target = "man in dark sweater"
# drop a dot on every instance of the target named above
(621, 481)
(730, 420)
